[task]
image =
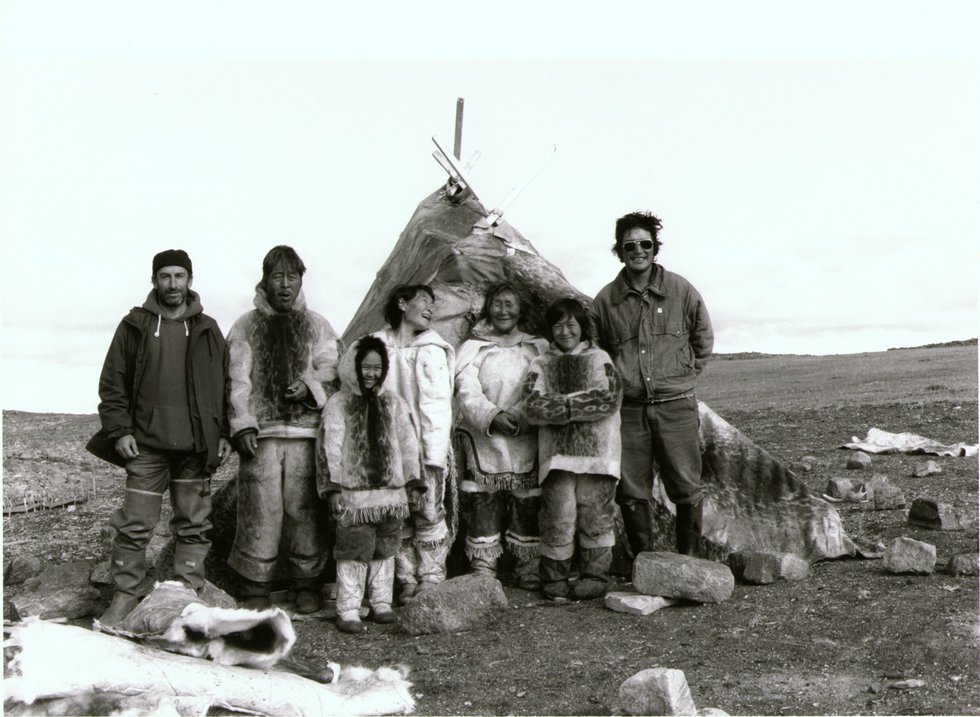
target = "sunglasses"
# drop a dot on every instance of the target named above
(644, 244)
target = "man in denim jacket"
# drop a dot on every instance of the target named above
(654, 325)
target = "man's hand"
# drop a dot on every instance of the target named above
(505, 423)
(247, 443)
(333, 500)
(296, 392)
(126, 447)
(224, 450)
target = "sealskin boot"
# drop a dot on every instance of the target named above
(351, 576)
(554, 575)
(687, 531)
(527, 571)
(307, 598)
(121, 605)
(594, 577)
(483, 566)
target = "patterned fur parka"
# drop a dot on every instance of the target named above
(574, 398)
(372, 487)
(267, 351)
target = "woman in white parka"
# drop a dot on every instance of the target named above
(499, 493)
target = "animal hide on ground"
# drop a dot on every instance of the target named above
(879, 441)
(98, 673)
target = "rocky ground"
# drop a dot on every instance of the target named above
(843, 641)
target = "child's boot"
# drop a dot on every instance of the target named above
(594, 578)
(432, 564)
(405, 566)
(554, 575)
(381, 578)
(350, 593)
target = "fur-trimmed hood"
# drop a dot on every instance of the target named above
(347, 370)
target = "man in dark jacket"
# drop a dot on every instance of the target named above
(162, 408)
(656, 328)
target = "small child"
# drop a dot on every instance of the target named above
(371, 460)
(573, 393)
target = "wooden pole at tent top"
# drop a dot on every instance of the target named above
(458, 140)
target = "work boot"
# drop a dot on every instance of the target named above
(252, 594)
(351, 576)
(554, 575)
(594, 573)
(527, 571)
(687, 528)
(638, 523)
(307, 598)
(380, 581)
(121, 605)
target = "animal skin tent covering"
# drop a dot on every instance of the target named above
(752, 503)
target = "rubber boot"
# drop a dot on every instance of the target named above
(380, 580)
(432, 564)
(594, 573)
(128, 569)
(554, 575)
(351, 576)
(638, 522)
(307, 596)
(122, 604)
(687, 529)
(252, 594)
(189, 563)
(527, 572)
(406, 564)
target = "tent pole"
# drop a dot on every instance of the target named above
(458, 141)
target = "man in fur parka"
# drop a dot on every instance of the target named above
(369, 466)
(282, 369)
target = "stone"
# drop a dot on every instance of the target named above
(156, 548)
(884, 494)
(926, 513)
(102, 573)
(964, 564)
(10, 613)
(466, 602)
(20, 569)
(60, 590)
(635, 603)
(905, 555)
(656, 691)
(682, 577)
(860, 461)
(761, 568)
(926, 468)
(712, 712)
(845, 489)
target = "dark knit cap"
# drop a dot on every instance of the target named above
(172, 257)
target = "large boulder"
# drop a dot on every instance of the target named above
(466, 602)
(682, 577)
(905, 555)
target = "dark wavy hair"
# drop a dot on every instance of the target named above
(376, 424)
(637, 220)
(285, 254)
(365, 346)
(568, 307)
(393, 315)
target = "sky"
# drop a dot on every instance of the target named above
(815, 166)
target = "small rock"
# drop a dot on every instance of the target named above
(907, 684)
(926, 468)
(761, 568)
(20, 568)
(682, 577)
(905, 555)
(846, 490)
(466, 602)
(10, 613)
(860, 461)
(926, 513)
(657, 691)
(102, 573)
(712, 712)
(885, 495)
(636, 604)
(964, 564)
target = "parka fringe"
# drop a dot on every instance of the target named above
(375, 514)
(431, 544)
(487, 552)
(524, 551)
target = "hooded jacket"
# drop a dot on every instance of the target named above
(368, 493)
(254, 396)
(574, 398)
(489, 380)
(121, 381)
(422, 374)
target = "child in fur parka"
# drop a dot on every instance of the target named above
(573, 394)
(370, 466)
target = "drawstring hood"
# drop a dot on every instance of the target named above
(192, 308)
